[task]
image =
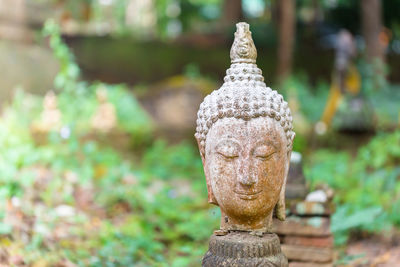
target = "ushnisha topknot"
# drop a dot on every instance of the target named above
(244, 94)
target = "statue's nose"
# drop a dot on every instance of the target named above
(246, 180)
(245, 177)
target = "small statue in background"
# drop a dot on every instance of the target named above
(50, 119)
(104, 120)
(347, 108)
(245, 137)
(345, 79)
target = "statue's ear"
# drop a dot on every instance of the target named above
(211, 197)
(280, 208)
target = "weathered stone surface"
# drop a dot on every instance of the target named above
(309, 241)
(245, 168)
(314, 226)
(311, 208)
(309, 264)
(308, 254)
(245, 137)
(242, 249)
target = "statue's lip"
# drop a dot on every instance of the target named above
(247, 195)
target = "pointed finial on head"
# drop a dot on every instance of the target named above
(243, 49)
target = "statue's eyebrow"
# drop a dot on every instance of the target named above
(272, 142)
(229, 142)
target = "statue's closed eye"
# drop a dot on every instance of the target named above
(228, 149)
(264, 151)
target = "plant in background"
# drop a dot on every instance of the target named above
(77, 99)
(300, 94)
(67, 77)
(72, 199)
(107, 210)
(367, 187)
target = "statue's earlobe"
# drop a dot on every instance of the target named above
(280, 208)
(211, 197)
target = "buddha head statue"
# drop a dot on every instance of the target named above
(245, 136)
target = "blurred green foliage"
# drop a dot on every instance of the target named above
(131, 118)
(155, 213)
(381, 103)
(367, 186)
(152, 211)
(68, 75)
(299, 88)
(108, 210)
(192, 14)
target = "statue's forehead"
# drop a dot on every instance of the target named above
(255, 128)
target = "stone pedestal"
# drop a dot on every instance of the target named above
(238, 249)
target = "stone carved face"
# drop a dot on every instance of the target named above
(245, 136)
(246, 163)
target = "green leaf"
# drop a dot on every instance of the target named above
(5, 229)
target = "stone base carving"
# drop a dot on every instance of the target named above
(237, 249)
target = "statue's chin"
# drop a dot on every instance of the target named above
(243, 220)
(247, 210)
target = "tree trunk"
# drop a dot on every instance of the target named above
(287, 29)
(372, 27)
(232, 13)
(371, 11)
